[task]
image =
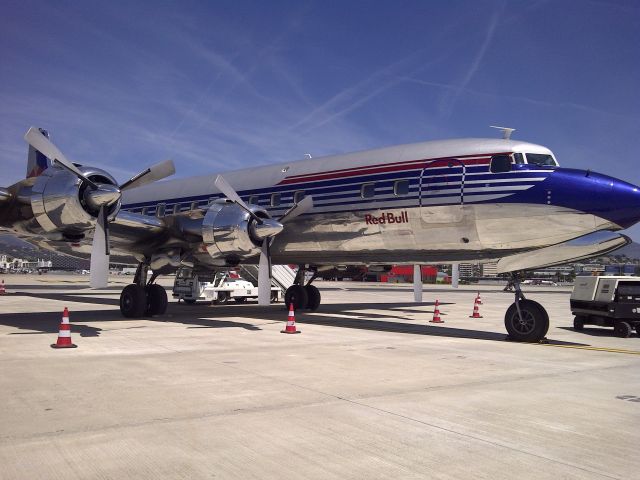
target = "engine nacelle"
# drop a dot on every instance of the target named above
(228, 231)
(59, 202)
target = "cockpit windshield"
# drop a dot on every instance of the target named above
(542, 159)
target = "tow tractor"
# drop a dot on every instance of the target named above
(219, 288)
(607, 302)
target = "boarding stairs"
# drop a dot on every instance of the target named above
(282, 276)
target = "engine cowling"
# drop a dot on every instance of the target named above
(230, 232)
(62, 202)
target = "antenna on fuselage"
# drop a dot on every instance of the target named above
(506, 131)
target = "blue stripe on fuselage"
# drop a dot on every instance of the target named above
(349, 187)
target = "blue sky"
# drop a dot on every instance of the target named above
(230, 84)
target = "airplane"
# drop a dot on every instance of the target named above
(443, 201)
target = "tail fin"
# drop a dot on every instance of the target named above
(36, 161)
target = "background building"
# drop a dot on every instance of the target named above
(490, 269)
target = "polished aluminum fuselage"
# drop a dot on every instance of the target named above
(436, 201)
(455, 208)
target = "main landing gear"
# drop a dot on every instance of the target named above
(525, 320)
(301, 295)
(143, 298)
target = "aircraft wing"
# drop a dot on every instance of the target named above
(594, 244)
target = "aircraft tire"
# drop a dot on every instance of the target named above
(535, 322)
(133, 301)
(296, 295)
(313, 297)
(622, 329)
(578, 323)
(156, 300)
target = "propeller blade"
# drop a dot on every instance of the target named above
(264, 274)
(100, 252)
(228, 191)
(37, 140)
(152, 174)
(303, 206)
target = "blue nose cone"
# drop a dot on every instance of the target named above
(606, 197)
(625, 200)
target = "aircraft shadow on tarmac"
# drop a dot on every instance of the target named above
(351, 315)
(480, 289)
(595, 331)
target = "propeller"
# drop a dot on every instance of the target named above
(98, 197)
(99, 266)
(303, 206)
(39, 141)
(4, 194)
(232, 195)
(152, 174)
(265, 230)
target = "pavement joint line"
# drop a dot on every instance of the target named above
(334, 397)
(480, 439)
(431, 425)
(166, 420)
(596, 349)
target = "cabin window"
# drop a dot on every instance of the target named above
(253, 200)
(518, 157)
(275, 200)
(298, 196)
(368, 190)
(500, 163)
(401, 187)
(542, 159)
(160, 210)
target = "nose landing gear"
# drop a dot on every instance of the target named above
(525, 320)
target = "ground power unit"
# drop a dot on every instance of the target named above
(607, 302)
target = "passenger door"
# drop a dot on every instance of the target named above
(442, 185)
(447, 224)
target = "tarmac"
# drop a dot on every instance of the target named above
(369, 390)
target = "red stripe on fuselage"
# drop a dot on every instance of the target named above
(390, 167)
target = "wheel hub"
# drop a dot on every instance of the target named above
(524, 323)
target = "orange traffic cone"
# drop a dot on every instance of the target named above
(478, 299)
(476, 310)
(436, 314)
(64, 334)
(291, 322)
(3, 289)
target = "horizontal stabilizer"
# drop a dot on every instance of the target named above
(592, 245)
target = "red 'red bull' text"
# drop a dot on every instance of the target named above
(386, 218)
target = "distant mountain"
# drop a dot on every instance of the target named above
(631, 251)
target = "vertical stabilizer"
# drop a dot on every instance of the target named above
(36, 161)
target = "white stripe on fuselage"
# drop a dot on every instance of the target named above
(268, 176)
